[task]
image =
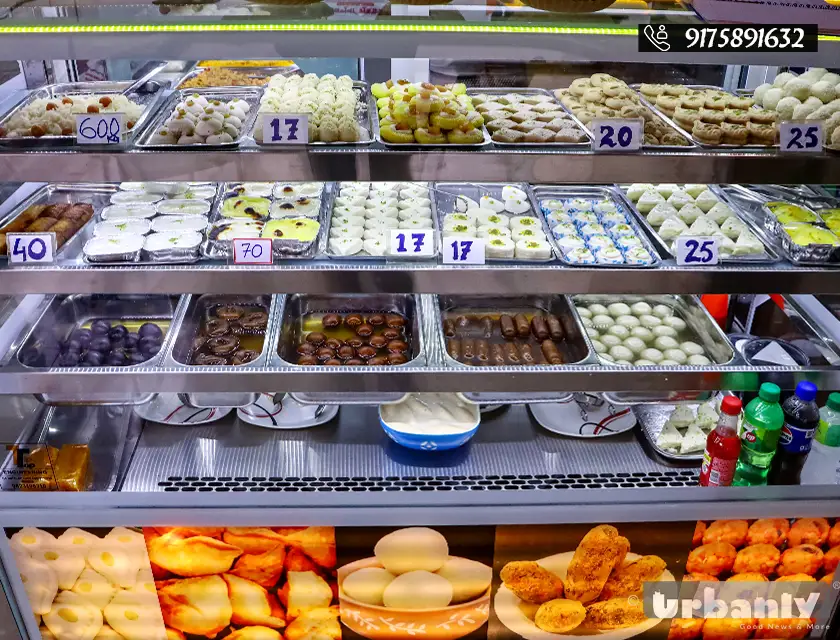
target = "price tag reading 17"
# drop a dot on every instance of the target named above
(697, 251)
(414, 243)
(31, 248)
(616, 134)
(796, 137)
(461, 250)
(285, 128)
(100, 128)
(252, 251)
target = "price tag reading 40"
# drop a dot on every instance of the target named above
(461, 250)
(796, 137)
(31, 248)
(697, 251)
(616, 134)
(100, 128)
(252, 251)
(285, 128)
(417, 243)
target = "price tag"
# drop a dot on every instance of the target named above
(418, 243)
(616, 134)
(461, 250)
(100, 128)
(31, 248)
(252, 251)
(697, 251)
(796, 137)
(279, 128)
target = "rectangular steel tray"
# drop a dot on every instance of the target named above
(446, 194)
(334, 191)
(540, 192)
(496, 91)
(148, 93)
(94, 194)
(297, 305)
(699, 321)
(223, 249)
(824, 255)
(415, 146)
(255, 72)
(700, 143)
(250, 94)
(365, 106)
(578, 346)
(772, 255)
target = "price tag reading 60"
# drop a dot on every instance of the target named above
(616, 134)
(99, 128)
(252, 251)
(461, 250)
(31, 248)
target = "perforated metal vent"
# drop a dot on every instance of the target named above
(676, 478)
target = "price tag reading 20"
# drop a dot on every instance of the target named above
(461, 250)
(100, 128)
(285, 128)
(616, 134)
(696, 251)
(416, 243)
(252, 251)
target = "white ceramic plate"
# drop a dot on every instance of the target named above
(506, 606)
(287, 414)
(167, 409)
(580, 420)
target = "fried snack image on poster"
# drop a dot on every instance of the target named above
(569, 581)
(245, 583)
(89, 584)
(414, 585)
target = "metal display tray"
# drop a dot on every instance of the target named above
(446, 194)
(561, 306)
(365, 257)
(540, 192)
(699, 321)
(825, 255)
(700, 143)
(254, 72)
(757, 230)
(250, 94)
(96, 195)
(416, 146)
(496, 91)
(144, 92)
(365, 106)
(295, 306)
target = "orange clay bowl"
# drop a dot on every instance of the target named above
(383, 623)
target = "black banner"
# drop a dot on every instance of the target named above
(790, 38)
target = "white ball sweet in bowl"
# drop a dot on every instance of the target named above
(469, 578)
(368, 585)
(418, 590)
(412, 549)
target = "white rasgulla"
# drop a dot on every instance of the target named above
(772, 97)
(626, 363)
(697, 360)
(668, 363)
(650, 321)
(586, 321)
(602, 320)
(367, 585)
(676, 355)
(469, 578)
(662, 311)
(642, 333)
(618, 309)
(599, 346)
(665, 342)
(629, 321)
(691, 348)
(620, 352)
(592, 332)
(641, 362)
(412, 549)
(418, 590)
(783, 78)
(610, 340)
(636, 345)
(598, 309)
(832, 78)
(664, 330)
(823, 90)
(584, 312)
(676, 323)
(640, 308)
(787, 106)
(654, 355)
(797, 88)
(619, 330)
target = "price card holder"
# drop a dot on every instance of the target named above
(697, 251)
(412, 243)
(616, 134)
(801, 136)
(462, 250)
(100, 128)
(31, 249)
(252, 251)
(285, 128)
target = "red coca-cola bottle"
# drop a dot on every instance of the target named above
(722, 447)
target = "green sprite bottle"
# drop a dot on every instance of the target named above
(760, 429)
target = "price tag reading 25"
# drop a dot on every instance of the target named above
(616, 134)
(279, 128)
(461, 250)
(796, 137)
(697, 251)
(416, 243)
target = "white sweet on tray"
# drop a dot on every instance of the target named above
(198, 120)
(57, 116)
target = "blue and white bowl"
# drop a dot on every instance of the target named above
(431, 442)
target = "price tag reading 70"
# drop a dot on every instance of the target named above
(409, 244)
(461, 250)
(252, 251)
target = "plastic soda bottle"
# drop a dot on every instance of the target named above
(722, 447)
(759, 431)
(823, 463)
(802, 417)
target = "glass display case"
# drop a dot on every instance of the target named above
(338, 319)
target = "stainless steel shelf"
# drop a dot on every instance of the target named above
(376, 163)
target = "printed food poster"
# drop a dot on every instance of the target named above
(415, 582)
(567, 581)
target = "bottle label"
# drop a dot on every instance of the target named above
(716, 472)
(828, 434)
(796, 440)
(758, 439)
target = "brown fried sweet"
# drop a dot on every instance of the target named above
(732, 531)
(616, 613)
(728, 628)
(598, 553)
(629, 579)
(805, 558)
(531, 582)
(831, 560)
(783, 628)
(768, 531)
(809, 531)
(560, 616)
(712, 559)
(685, 628)
(757, 558)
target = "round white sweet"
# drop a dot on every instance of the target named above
(640, 308)
(668, 363)
(412, 549)
(610, 340)
(664, 330)
(665, 342)
(367, 585)
(641, 362)
(418, 590)
(692, 348)
(698, 360)
(642, 332)
(469, 578)
(676, 323)
(602, 320)
(599, 346)
(587, 322)
(636, 345)
(628, 321)
(676, 355)
(650, 321)
(662, 311)
(620, 352)
(654, 355)
(624, 362)
(617, 309)
(596, 308)
(584, 312)
(619, 330)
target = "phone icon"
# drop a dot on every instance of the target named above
(658, 39)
